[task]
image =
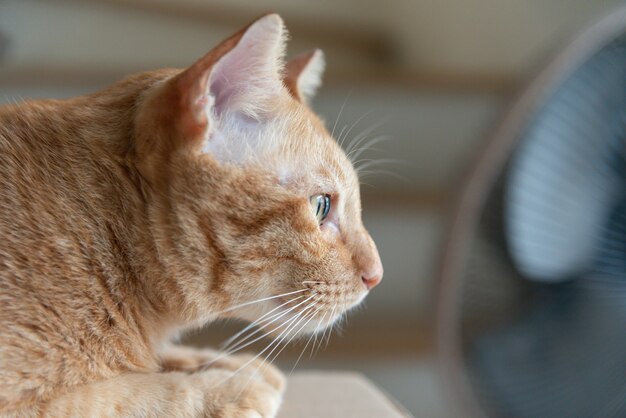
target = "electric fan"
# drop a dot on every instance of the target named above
(532, 293)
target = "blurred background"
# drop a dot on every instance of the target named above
(431, 75)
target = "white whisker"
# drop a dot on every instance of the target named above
(330, 328)
(358, 151)
(290, 321)
(266, 359)
(356, 123)
(306, 318)
(232, 308)
(340, 137)
(372, 162)
(258, 321)
(307, 343)
(293, 325)
(332, 132)
(237, 346)
(364, 174)
(316, 331)
(326, 330)
(358, 139)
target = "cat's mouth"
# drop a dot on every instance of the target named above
(321, 302)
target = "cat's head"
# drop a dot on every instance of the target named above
(250, 196)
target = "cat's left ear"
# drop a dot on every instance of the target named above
(241, 75)
(303, 75)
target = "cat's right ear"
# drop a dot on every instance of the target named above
(303, 75)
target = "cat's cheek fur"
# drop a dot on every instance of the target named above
(331, 230)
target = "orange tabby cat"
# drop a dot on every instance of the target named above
(159, 204)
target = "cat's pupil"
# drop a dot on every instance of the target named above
(321, 206)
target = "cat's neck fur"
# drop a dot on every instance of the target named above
(88, 141)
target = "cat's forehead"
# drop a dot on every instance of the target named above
(292, 141)
(312, 146)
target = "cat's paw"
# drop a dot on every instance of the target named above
(177, 358)
(239, 394)
(191, 360)
(252, 364)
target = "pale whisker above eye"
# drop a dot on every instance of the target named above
(356, 152)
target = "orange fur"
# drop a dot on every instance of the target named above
(123, 222)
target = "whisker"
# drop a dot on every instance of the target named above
(362, 136)
(256, 322)
(372, 162)
(358, 151)
(340, 136)
(366, 173)
(332, 132)
(224, 355)
(362, 183)
(290, 321)
(316, 333)
(291, 328)
(266, 359)
(309, 317)
(241, 305)
(330, 329)
(237, 347)
(327, 328)
(319, 308)
(356, 123)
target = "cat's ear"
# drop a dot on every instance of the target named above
(303, 75)
(242, 74)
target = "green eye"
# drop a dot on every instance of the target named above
(320, 204)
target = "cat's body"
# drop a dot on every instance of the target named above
(128, 215)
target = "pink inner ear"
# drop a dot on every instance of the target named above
(219, 91)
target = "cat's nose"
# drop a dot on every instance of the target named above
(373, 275)
(368, 262)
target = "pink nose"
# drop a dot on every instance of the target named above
(367, 260)
(372, 277)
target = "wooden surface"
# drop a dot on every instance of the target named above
(314, 394)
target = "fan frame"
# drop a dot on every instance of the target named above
(475, 190)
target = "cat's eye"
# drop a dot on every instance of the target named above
(320, 204)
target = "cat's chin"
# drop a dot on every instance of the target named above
(293, 329)
(317, 326)
(290, 318)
